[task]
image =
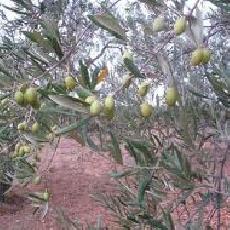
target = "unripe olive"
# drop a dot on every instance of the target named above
(197, 57)
(109, 103)
(180, 26)
(143, 89)
(22, 126)
(34, 164)
(36, 104)
(46, 196)
(54, 128)
(146, 110)
(95, 108)
(109, 108)
(31, 96)
(19, 98)
(171, 96)
(50, 137)
(27, 149)
(35, 128)
(110, 113)
(70, 83)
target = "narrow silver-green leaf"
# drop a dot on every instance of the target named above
(143, 186)
(116, 151)
(108, 22)
(69, 102)
(72, 126)
(129, 64)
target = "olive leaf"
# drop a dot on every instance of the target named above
(168, 220)
(84, 74)
(73, 126)
(27, 4)
(38, 38)
(129, 64)
(164, 64)
(51, 32)
(69, 102)
(175, 162)
(108, 22)
(143, 186)
(116, 151)
(141, 151)
(94, 78)
(83, 92)
(197, 28)
(220, 88)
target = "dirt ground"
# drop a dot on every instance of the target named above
(73, 176)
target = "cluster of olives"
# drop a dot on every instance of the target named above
(21, 150)
(146, 109)
(34, 129)
(200, 55)
(180, 25)
(172, 94)
(171, 97)
(27, 96)
(23, 127)
(96, 108)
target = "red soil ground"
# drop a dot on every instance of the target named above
(74, 174)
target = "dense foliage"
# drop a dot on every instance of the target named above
(147, 77)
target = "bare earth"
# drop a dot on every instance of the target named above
(74, 174)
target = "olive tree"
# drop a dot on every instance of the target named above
(147, 77)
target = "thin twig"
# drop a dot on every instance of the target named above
(194, 7)
(52, 158)
(91, 61)
(113, 4)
